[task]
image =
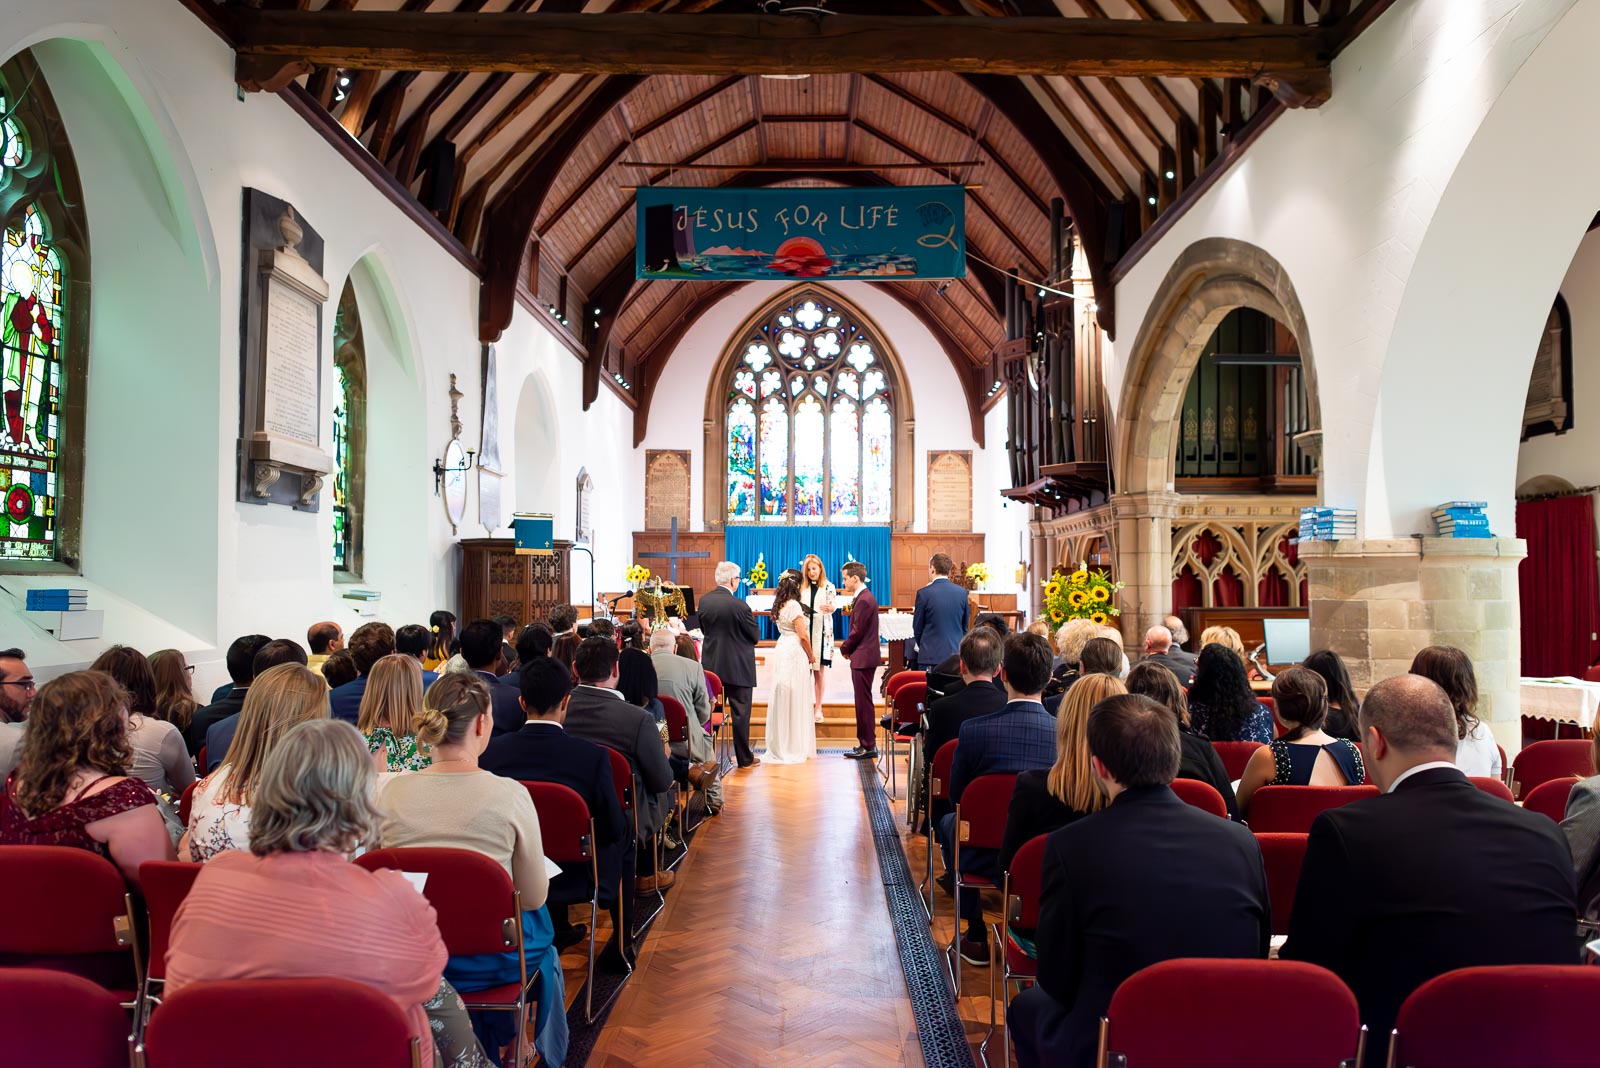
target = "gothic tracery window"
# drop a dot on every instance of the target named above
(810, 421)
(349, 435)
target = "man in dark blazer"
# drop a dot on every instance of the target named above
(1159, 649)
(861, 646)
(241, 655)
(597, 711)
(220, 736)
(1147, 879)
(1431, 875)
(483, 649)
(1019, 737)
(542, 751)
(370, 643)
(729, 653)
(532, 644)
(979, 695)
(940, 616)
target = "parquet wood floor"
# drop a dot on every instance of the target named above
(776, 946)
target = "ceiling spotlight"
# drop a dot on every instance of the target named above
(1171, 175)
(1151, 201)
(344, 81)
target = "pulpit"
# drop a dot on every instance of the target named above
(495, 579)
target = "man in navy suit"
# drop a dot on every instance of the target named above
(370, 643)
(861, 646)
(220, 735)
(940, 618)
(1019, 737)
(484, 652)
(542, 751)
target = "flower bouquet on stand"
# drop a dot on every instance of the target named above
(979, 574)
(757, 575)
(1080, 594)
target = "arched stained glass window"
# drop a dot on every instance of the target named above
(42, 317)
(349, 435)
(810, 421)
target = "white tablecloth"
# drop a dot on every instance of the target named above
(1565, 699)
(894, 626)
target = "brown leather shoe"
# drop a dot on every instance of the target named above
(755, 762)
(649, 884)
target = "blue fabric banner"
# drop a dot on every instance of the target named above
(784, 546)
(900, 233)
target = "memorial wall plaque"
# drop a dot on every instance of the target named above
(949, 491)
(666, 488)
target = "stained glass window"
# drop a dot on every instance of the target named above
(810, 421)
(341, 471)
(349, 435)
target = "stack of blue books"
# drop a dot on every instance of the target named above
(1327, 524)
(57, 600)
(1462, 519)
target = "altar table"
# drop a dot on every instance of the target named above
(1564, 698)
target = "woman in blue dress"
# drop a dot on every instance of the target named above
(1221, 704)
(1305, 755)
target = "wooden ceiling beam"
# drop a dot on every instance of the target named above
(274, 47)
(1119, 184)
(479, 194)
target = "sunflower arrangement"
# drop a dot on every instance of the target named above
(637, 575)
(1080, 594)
(758, 575)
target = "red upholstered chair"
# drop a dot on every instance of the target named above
(70, 910)
(892, 684)
(478, 911)
(60, 1020)
(566, 829)
(1201, 795)
(266, 1023)
(980, 824)
(1591, 673)
(678, 733)
(1505, 765)
(1550, 797)
(1282, 854)
(938, 790)
(719, 716)
(1490, 785)
(910, 701)
(1184, 1014)
(627, 787)
(1522, 1014)
(1235, 755)
(1278, 809)
(200, 761)
(1551, 759)
(164, 883)
(1018, 962)
(186, 802)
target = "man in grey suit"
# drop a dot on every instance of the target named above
(684, 681)
(939, 621)
(729, 652)
(598, 712)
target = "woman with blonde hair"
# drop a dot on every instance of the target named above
(280, 698)
(389, 706)
(453, 804)
(1226, 637)
(1046, 800)
(817, 598)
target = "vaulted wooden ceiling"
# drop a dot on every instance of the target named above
(532, 170)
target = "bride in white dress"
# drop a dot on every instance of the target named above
(791, 731)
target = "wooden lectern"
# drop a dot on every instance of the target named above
(495, 579)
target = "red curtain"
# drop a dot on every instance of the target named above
(1560, 586)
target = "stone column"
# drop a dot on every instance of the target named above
(1041, 558)
(1144, 559)
(1377, 602)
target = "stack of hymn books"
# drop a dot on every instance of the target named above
(1327, 524)
(1462, 519)
(57, 600)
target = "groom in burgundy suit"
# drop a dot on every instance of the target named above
(862, 649)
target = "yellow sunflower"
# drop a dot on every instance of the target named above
(1098, 619)
(1079, 578)
(1100, 594)
(1077, 598)
(1056, 615)
(1052, 588)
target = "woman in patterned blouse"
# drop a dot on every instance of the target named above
(391, 702)
(219, 816)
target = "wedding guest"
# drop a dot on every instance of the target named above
(1226, 637)
(532, 644)
(294, 905)
(441, 643)
(270, 655)
(175, 701)
(1582, 828)
(370, 643)
(1100, 656)
(636, 681)
(730, 653)
(323, 639)
(1344, 709)
(508, 637)
(280, 699)
(633, 636)
(413, 640)
(72, 785)
(1069, 642)
(240, 658)
(565, 649)
(563, 620)
(1199, 759)
(939, 618)
(16, 693)
(981, 694)
(389, 705)
(1305, 755)
(484, 653)
(160, 759)
(1476, 751)
(602, 628)
(1221, 704)
(1180, 633)
(1158, 649)
(684, 680)
(340, 668)
(685, 647)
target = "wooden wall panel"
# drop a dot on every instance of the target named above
(910, 553)
(494, 579)
(696, 574)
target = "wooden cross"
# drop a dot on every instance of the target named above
(672, 556)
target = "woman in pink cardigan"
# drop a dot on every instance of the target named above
(295, 906)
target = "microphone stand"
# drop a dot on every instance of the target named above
(584, 548)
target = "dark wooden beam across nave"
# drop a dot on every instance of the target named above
(276, 46)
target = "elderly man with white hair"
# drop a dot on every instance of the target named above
(684, 681)
(1160, 649)
(730, 651)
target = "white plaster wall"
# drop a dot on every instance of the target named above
(1346, 198)
(163, 536)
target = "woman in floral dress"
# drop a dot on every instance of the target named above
(388, 708)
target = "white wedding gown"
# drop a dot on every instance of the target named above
(791, 730)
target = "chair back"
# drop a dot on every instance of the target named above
(1549, 798)
(981, 812)
(714, 687)
(1591, 673)
(186, 802)
(1282, 855)
(65, 907)
(1235, 755)
(200, 761)
(1184, 1014)
(1024, 883)
(621, 777)
(476, 905)
(943, 760)
(1291, 809)
(310, 1023)
(1490, 785)
(1553, 758)
(1525, 1014)
(1201, 795)
(677, 718)
(64, 1021)
(899, 679)
(566, 829)
(909, 703)
(165, 883)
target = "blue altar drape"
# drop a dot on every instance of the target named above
(785, 546)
